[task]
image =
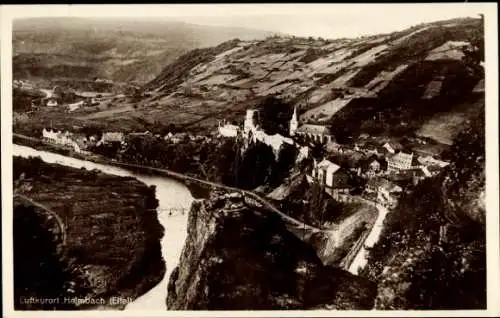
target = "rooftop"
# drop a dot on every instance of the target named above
(401, 156)
(313, 129)
(383, 183)
(327, 164)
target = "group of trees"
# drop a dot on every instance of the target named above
(255, 166)
(39, 271)
(439, 227)
(22, 99)
(220, 160)
(312, 205)
(474, 54)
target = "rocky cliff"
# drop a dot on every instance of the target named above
(432, 253)
(236, 258)
(81, 233)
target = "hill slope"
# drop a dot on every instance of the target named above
(118, 49)
(415, 82)
(432, 252)
(404, 80)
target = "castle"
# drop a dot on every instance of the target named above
(294, 122)
(252, 132)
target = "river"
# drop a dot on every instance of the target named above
(173, 196)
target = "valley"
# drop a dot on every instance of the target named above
(315, 173)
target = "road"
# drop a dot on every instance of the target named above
(246, 193)
(355, 256)
(58, 219)
(266, 204)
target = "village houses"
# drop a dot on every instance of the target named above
(78, 143)
(334, 178)
(399, 161)
(111, 137)
(373, 162)
(228, 130)
(51, 102)
(371, 168)
(383, 191)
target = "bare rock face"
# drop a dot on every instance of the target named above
(236, 258)
(87, 236)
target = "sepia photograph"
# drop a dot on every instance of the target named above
(276, 158)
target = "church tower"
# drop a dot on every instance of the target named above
(294, 122)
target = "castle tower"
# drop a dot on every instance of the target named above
(249, 124)
(294, 122)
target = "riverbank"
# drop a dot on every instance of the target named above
(198, 190)
(111, 228)
(179, 240)
(173, 198)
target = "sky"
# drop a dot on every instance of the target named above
(334, 20)
(317, 20)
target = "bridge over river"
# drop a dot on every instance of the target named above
(356, 256)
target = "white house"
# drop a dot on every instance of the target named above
(429, 160)
(51, 102)
(109, 137)
(389, 147)
(168, 136)
(49, 135)
(59, 138)
(75, 106)
(370, 169)
(375, 165)
(399, 161)
(324, 172)
(228, 130)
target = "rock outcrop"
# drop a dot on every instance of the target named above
(236, 258)
(432, 253)
(82, 234)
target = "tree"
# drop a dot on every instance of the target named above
(256, 166)
(286, 161)
(318, 151)
(38, 269)
(316, 201)
(474, 54)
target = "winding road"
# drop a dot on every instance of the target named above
(58, 219)
(355, 259)
(246, 193)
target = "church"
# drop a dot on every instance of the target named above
(316, 133)
(252, 132)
